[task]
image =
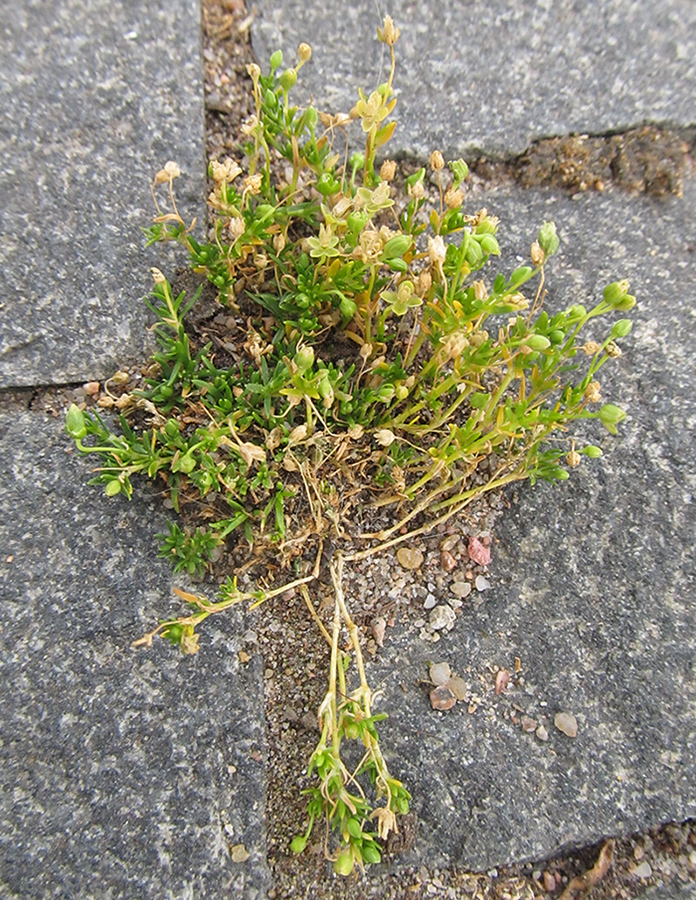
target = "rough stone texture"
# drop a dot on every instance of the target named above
(116, 765)
(495, 75)
(96, 96)
(593, 587)
(675, 890)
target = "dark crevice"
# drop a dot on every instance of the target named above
(650, 159)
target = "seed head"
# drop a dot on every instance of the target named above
(254, 71)
(225, 171)
(480, 292)
(455, 344)
(517, 301)
(590, 348)
(437, 160)
(417, 191)
(425, 280)
(388, 170)
(236, 227)
(538, 255)
(573, 459)
(453, 199)
(613, 350)
(252, 183)
(385, 437)
(168, 173)
(305, 53)
(249, 127)
(388, 33)
(158, 277)
(279, 243)
(437, 250)
(593, 392)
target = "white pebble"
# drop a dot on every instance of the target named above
(644, 870)
(442, 617)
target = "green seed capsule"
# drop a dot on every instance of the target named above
(548, 239)
(112, 487)
(538, 342)
(75, 423)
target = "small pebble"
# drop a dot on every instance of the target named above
(567, 723)
(644, 870)
(240, 853)
(430, 601)
(549, 881)
(448, 561)
(442, 698)
(450, 543)
(482, 584)
(458, 687)
(379, 627)
(528, 724)
(478, 553)
(410, 557)
(542, 733)
(461, 589)
(440, 673)
(501, 681)
(309, 721)
(442, 617)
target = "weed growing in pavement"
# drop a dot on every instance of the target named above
(368, 362)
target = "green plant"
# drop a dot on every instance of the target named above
(372, 359)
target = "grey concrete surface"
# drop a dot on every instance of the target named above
(96, 96)
(492, 76)
(124, 773)
(593, 585)
(132, 774)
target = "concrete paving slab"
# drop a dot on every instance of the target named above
(125, 774)
(492, 76)
(593, 587)
(96, 96)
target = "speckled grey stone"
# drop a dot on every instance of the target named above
(495, 75)
(675, 890)
(96, 95)
(124, 774)
(593, 586)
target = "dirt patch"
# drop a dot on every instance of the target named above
(647, 160)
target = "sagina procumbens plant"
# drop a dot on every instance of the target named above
(371, 360)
